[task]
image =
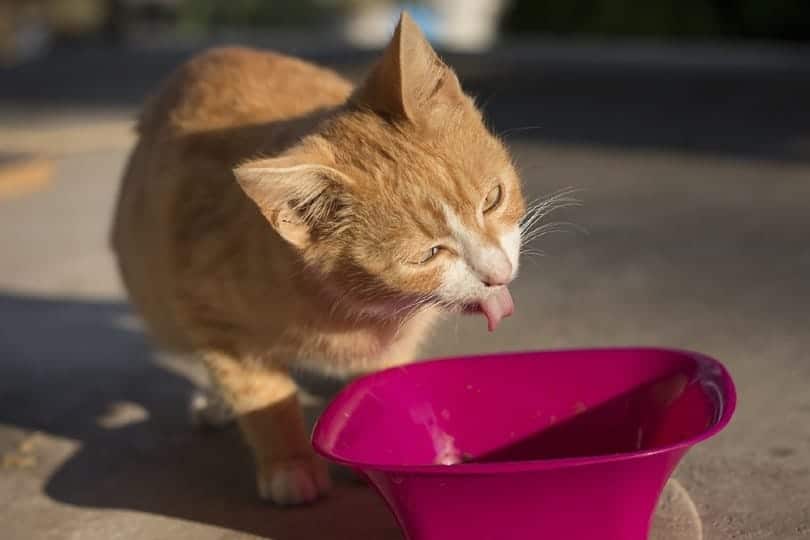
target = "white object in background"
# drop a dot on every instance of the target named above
(468, 25)
(371, 24)
(460, 25)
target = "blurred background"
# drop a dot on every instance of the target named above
(31, 27)
(684, 124)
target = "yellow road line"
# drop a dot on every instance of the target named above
(24, 175)
(68, 139)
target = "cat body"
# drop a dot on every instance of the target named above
(272, 216)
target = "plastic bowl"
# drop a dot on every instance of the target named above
(573, 445)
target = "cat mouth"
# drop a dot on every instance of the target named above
(495, 307)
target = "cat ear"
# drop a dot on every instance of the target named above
(298, 197)
(409, 79)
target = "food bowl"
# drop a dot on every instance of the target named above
(561, 445)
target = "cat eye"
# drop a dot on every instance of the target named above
(493, 198)
(428, 255)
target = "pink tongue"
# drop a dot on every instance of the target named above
(497, 306)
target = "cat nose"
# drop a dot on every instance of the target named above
(500, 275)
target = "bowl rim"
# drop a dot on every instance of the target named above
(728, 401)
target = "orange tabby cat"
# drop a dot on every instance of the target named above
(273, 216)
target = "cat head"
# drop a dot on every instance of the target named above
(403, 199)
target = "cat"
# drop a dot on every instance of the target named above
(272, 216)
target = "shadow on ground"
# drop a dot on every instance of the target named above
(67, 364)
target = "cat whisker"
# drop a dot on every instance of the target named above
(553, 200)
(521, 129)
(532, 227)
(412, 310)
(539, 209)
(533, 253)
(564, 193)
(548, 228)
(538, 217)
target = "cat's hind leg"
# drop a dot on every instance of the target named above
(206, 406)
(208, 409)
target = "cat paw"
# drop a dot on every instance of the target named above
(293, 482)
(209, 411)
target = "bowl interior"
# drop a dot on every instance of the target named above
(526, 406)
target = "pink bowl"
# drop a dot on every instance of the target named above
(564, 445)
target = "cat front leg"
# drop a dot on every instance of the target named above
(265, 402)
(288, 471)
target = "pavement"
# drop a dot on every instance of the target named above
(695, 177)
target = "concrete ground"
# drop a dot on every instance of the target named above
(696, 181)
